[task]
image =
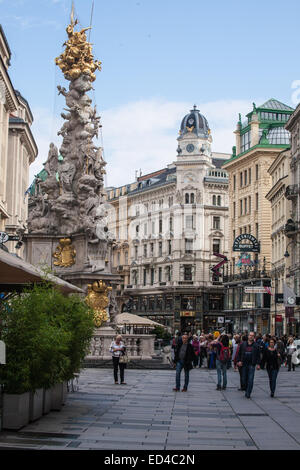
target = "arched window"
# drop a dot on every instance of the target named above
(214, 200)
(187, 198)
(192, 198)
(219, 200)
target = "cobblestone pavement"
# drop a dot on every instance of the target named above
(146, 414)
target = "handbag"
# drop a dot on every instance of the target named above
(124, 359)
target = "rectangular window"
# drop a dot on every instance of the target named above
(169, 247)
(153, 227)
(145, 229)
(152, 276)
(145, 277)
(233, 235)
(245, 205)
(145, 251)
(241, 206)
(159, 274)
(245, 178)
(249, 205)
(234, 182)
(126, 257)
(171, 224)
(234, 209)
(216, 245)
(160, 249)
(189, 221)
(256, 201)
(241, 179)
(188, 273)
(256, 172)
(151, 249)
(135, 252)
(160, 226)
(256, 231)
(249, 175)
(216, 222)
(188, 245)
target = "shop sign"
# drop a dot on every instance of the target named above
(248, 305)
(187, 313)
(220, 319)
(240, 243)
(278, 318)
(255, 289)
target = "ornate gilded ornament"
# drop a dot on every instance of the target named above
(190, 129)
(98, 300)
(65, 254)
(77, 57)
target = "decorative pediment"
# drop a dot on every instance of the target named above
(216, 233)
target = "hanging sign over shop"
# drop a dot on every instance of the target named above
(246, 242)
(256, 290)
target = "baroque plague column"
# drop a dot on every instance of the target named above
(67, 221)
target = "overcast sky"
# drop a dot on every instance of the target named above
(159, 58)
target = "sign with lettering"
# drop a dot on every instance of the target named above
(255, 289)
(221, 320)
(246, 242)
(187, 313)
(248, 305)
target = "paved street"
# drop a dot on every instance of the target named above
(146, 414)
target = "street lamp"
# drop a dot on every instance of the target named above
(286, 254)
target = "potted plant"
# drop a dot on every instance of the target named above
(46, 335)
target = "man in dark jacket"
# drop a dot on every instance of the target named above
(184, 356)
(248, 358)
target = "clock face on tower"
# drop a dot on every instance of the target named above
(190, 148)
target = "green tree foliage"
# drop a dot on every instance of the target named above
(46, 335)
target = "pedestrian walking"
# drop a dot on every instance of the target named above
(248, 358)
(222, 358)
(236, 367)
(196, 346)
(272, 359)
(184, 356)
(118, 349)
(290, 349)
(202, 354)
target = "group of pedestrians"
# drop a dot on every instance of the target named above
(247, 353)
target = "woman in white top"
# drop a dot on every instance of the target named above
(117, 348)
(290, 349)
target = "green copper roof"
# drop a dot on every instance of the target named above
(276, 105)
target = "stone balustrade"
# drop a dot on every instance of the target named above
(138, 347)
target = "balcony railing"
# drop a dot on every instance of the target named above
(292, 191)
(255, 274)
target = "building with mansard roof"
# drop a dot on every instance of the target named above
(260, 139)
(167, 226)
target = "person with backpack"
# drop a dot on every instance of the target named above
(222, 358)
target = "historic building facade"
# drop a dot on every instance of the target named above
(167, 225)
(17, 150)
(293, 225)
(259, 141)
(280, 212)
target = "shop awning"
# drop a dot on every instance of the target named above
(15, 274)
(130, 319)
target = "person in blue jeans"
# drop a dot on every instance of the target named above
(223, 356)
(184, 356)
(248, 359)
(272, 359)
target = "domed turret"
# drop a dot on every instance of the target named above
(195, 123)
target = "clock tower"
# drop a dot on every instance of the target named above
(194, 139)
